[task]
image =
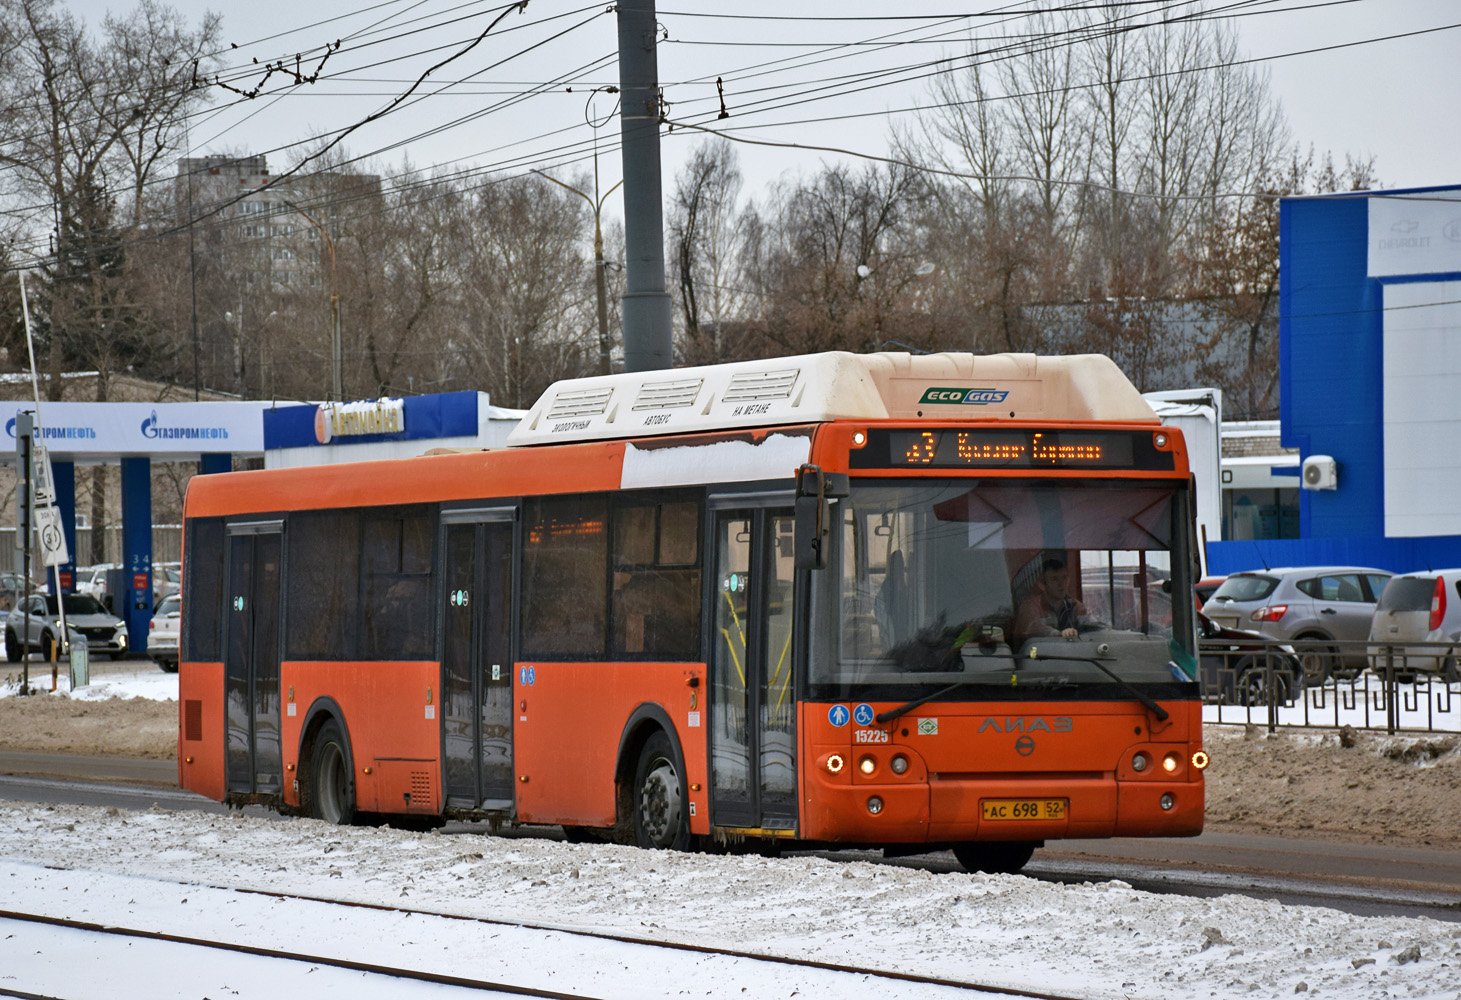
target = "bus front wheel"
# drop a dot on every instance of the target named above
(994, 858)
(659, 798)
(332, 791)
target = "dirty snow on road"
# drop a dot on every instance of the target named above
(1092, 940)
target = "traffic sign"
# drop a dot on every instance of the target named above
(51, 535)
(42, 482)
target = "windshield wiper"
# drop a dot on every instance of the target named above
(1042, 682)
(893, 713)
(1161, 713)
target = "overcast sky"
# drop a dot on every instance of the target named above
(1393, 100)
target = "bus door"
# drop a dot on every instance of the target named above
(254, 762)
(752, 697)
(476, 657)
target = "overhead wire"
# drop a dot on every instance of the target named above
(772, 125)
(1228, 64)
(244, 72)
(335, 137)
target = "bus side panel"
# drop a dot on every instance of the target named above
(570, 718)
(1139, 810)
(200, 729)
(833, 808)
(392, 722)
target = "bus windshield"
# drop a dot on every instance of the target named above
(1012, 584)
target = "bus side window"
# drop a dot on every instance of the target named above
(322, 585)
(565, 577)
(203, 608)
(397, 599)
(655, 606)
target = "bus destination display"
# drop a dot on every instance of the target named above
(1009, 448)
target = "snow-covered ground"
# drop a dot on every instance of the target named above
(150, 870)
(122, 679)
(1103, 940)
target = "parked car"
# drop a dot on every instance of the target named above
(1206, 587)
(1418, 607)
(93, 580)
(32, 626)
(12, 589)
(1237, 665)
(162, 635)
(167, 579)
(1311, 605)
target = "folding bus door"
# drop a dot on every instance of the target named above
(254, 554)
(752, 705)
(476, 658)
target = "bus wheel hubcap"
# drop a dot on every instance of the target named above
(659, 803)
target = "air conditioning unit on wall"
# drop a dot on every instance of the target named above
(1320, 472)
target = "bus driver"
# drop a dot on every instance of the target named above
(1049, 609)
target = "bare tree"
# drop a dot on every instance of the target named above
(528, 292)
(1173, 128)
(1109, 63)
(708, 229)
(1045, 133)
(837, 258)
(72, 104)
(1237, 283)
(153, 55)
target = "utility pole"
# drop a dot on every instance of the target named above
(647, 340)
(24, 509)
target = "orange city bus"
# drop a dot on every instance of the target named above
(750, 603)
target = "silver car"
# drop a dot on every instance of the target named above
(1419, 607)
(32, 625)
(1308, 605)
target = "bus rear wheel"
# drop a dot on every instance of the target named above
(332, 793)
(993, 857)
(659, 798)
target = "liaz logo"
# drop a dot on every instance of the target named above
(964, 397)
(1027, 724)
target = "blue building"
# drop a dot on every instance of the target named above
(1370, 377)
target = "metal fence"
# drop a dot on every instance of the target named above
(167, 546)
(1410, 687)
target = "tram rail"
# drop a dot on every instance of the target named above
(485, 985)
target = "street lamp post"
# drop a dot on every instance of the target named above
(597, 204)
(336, 352)
(238, 349)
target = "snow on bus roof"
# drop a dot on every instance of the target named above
(835, 385)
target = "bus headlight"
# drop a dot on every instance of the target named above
(1169, 763)
(867, 765)
(899, 764)
(1139, 762)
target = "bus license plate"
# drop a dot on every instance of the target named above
(1023, 809)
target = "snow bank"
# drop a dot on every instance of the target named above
(1097, 940)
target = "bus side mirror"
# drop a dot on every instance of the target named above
(814, 490)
